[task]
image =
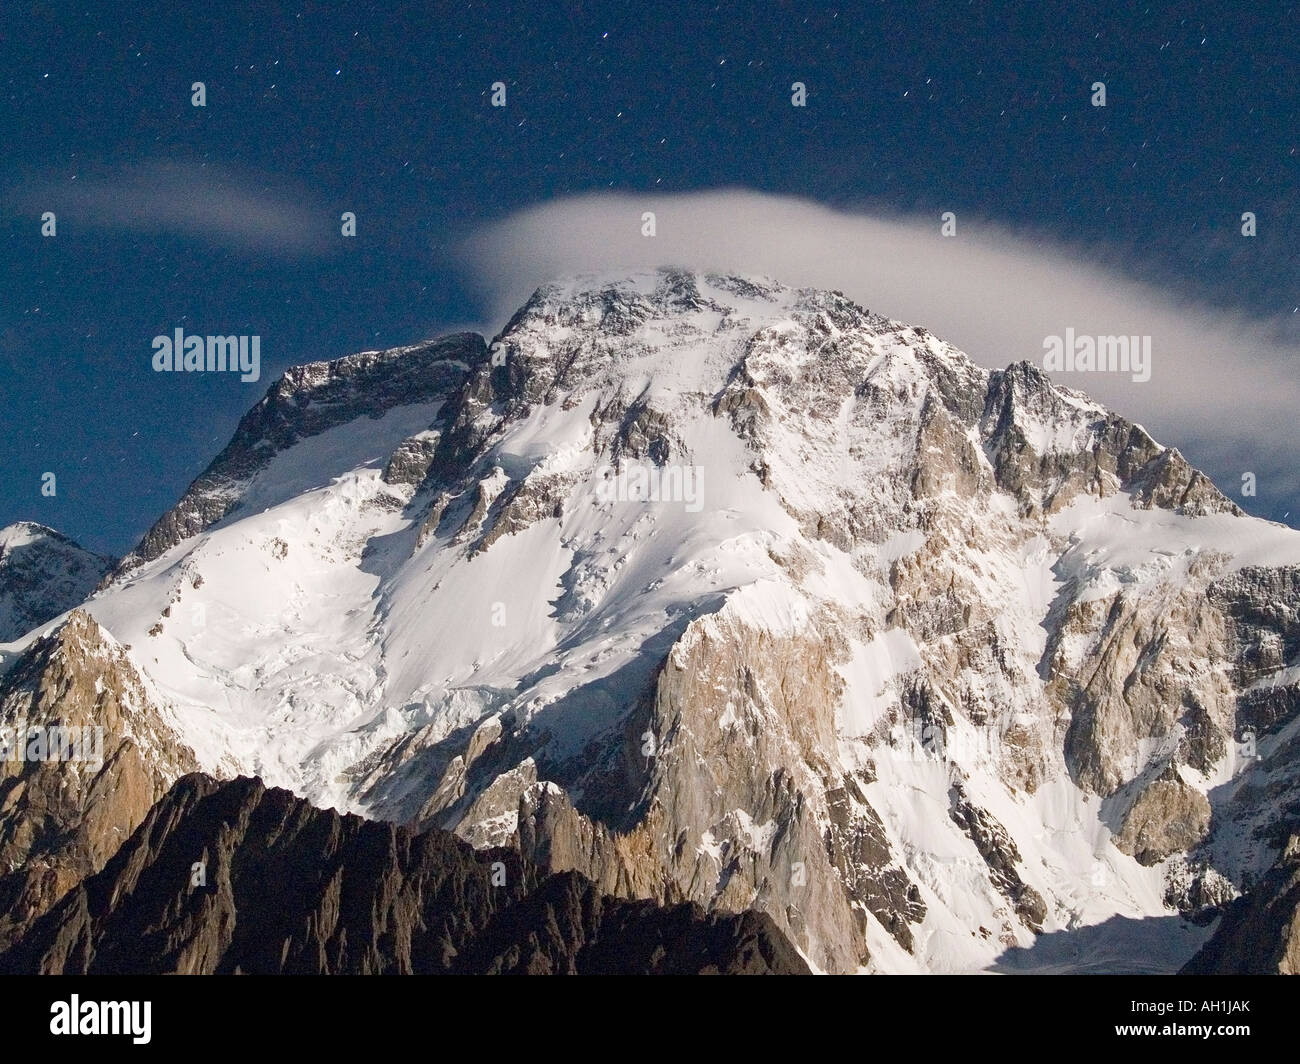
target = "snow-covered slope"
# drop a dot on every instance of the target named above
(42, 574)
(715, 589)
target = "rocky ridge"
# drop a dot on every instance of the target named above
(237, 879)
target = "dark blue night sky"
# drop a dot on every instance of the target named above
(384, 110)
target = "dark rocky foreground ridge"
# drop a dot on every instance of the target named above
(291, 889)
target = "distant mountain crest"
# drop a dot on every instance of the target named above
(43, 573)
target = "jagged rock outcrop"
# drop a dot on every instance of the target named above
(1089, 449)
(42, 573)
(106, 754)
(1260, 932)
(410, 462)
(236, 878)
(1001, 854)
(1167, 816)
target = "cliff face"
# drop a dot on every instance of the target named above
(235, 878)
(62, 817)
(1259, 933)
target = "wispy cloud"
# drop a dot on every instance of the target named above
(1223, 387)
(187, 199)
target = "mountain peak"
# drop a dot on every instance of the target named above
(662, 584)
(21, 533)
(43, 573)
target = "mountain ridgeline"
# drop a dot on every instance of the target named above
(237, 879)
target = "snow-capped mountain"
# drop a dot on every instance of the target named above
(716, 590)
(42, 574)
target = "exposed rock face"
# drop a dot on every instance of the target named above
(60, 820)
(700, 819)
(410, 462)
(1198, 891)
(732, 810)
(873, 878)
(529, 501)
(1167, 816)
(1130, 682)
(305, 402)
(236, 878)
(1260, 933)
(42, 574)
